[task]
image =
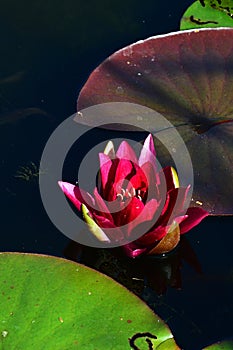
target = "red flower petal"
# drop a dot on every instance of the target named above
(138, 181)
(195, 216)
(114, 233)
(155, 235)
(123, 171)
(145, 221)
(101, 206)
(174, 205)
(105, 165)
(152, 180)
(132, 208)
(109, 174)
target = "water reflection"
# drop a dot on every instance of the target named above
(157, 272)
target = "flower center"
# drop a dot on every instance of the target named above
(126, 194)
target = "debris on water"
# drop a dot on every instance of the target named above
(13, 78)
(4, 334)
(29, 172)
(119, 90)
(19, 114)
(79, 114)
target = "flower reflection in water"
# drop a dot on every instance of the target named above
(154, 272)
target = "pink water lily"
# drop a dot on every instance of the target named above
(130, 207)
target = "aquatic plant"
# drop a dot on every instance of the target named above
(135, 204)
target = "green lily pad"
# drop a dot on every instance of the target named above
(188, 78)
(208, 13)
(52, 303)
(223, 345)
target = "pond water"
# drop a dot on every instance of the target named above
(47, 52)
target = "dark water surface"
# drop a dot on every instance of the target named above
(47, 51)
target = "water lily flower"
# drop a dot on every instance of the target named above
(135, 204)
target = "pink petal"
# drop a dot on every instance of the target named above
(68, 190)
(133, 252)
(152, 180)
(105, 166)
(148, 152)
(104, 158)
(125, 151)
(195, 216)
(76, 195)
(179, 219)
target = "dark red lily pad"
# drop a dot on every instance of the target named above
(188, 78)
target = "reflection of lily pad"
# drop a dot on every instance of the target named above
(208, 13)
(188, 77)
(49, 303)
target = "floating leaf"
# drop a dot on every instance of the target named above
(188, 78)
(48, 303)
(223, 345)
(208, 13)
